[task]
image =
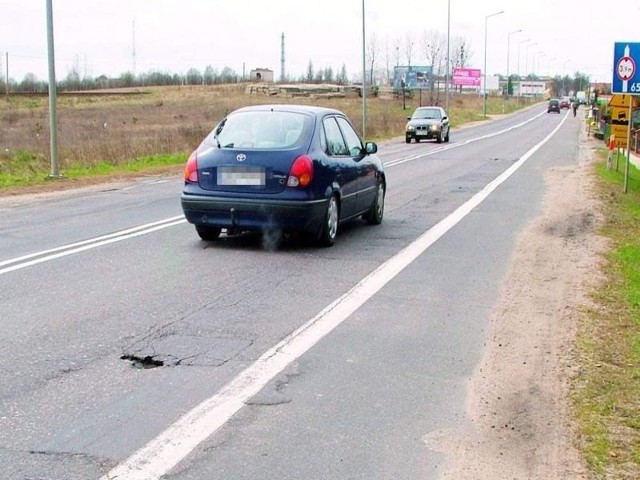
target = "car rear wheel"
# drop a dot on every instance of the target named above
(330, 225)
(376, 212)
(208, 233)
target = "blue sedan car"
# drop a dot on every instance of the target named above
(283, 168)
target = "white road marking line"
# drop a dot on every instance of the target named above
(72, 248)
(165, 451)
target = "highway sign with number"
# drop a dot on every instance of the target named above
(626, 78)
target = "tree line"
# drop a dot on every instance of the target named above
(381, 57)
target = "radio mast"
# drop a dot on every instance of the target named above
(282, 75)
(133, 51)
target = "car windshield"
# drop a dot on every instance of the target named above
(264, 129)
(425, 113)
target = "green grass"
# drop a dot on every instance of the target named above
(23, 168)
(606, 393)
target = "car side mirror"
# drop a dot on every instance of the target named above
(370, 147)
(445, 119)
(408, 118)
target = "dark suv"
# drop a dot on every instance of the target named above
(554, 106)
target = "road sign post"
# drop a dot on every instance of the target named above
(626, 80)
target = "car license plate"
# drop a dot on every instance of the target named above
(423, 132)
(241, 176)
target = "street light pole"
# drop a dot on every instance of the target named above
(508, 42)
(53, 121)
(484, 87)
(520, 45)
(564, 77)
(446, 84)
(542, 54)
(364, 78)
(526, 58)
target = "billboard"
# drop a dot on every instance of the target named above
(414, 77)
(466, 77)
(531, 88)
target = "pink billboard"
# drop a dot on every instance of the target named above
(467, 77)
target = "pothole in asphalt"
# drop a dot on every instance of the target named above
(143, 362)
(184, 351)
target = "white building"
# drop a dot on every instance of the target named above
(261, 75)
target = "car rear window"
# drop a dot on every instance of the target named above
(264, 129)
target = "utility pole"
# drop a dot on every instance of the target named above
(7, 72)
(53, 121)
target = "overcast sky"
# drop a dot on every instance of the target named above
(173, 35)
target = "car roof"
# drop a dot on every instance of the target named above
(309, 109)
(429, 107)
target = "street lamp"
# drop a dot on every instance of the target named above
(542, 54)
(508, 41)
(484, 87)
(526, 58)
(549, 62)
(446, 83)
(364, 77)
(53, 118)
(519, 45)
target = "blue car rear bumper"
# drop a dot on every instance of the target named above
(250, 214)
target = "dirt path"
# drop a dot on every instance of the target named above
(518, 396)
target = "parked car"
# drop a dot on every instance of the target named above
(283, 168)
(565, 102)
(554, 106)
(427, 123)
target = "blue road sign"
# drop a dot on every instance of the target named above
(626, 63)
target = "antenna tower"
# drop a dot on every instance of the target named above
(133, 52)
(282, 76)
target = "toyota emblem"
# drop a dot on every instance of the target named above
(241, 157)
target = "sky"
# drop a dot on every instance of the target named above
(98, 37)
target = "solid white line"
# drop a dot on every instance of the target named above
(166, 450)
(89, 244)
(85, 242)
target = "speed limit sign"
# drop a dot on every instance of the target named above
(626, 78)
(626, 68)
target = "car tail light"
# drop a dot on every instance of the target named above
(301, 172)
(191, 170)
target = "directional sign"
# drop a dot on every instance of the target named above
(626, 77)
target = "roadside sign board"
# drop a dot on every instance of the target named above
(619, 110)
(466, 77)
(413, 77)
(626, 65)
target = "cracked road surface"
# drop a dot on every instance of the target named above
(362, 403)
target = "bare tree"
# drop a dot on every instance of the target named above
(388, 59)
(371, 55)
(408, 48)
(434, 45)
(397, 46)
(461, 53)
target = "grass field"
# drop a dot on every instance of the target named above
(607, 390)
(102, 134)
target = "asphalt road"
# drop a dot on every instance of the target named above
(273, 364)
